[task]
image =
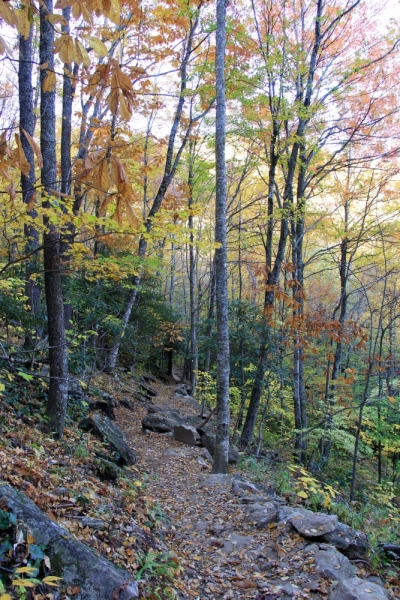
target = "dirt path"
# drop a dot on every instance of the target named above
(222, 556)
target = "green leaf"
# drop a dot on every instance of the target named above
(25, 376)
(36, 552)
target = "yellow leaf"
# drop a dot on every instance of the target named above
(98, 46)
(24, 24)
(137, 483)
(63, 3)
(54, 19)
(5, 597)
(8, 15)
(51, 580)
(49, 83)
(302, 494)
(113, 13)
(83, 55)
(29, 570)
(391, 399)
(24, 582)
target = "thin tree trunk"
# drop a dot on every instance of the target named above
(221, 272)
(65, 157)
(194, 359)
(299, 395)
(171, 163)
(58, 388)
(27, 123)
(172, 275)
(210, 318)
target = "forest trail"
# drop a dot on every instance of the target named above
(221, 555)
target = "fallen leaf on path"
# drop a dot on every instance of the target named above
(245, 584)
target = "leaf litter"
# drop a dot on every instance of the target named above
(168, 521)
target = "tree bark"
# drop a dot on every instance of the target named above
(299, 394)
(27, 123)
(221, 273)
(65, 158)
(210, 317)
(194, 359)
(58, 388)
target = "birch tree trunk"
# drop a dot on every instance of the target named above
(222, 434)
(58, 389)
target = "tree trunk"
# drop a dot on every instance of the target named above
(27, 123)
(171, 163)
(65, 155)
(58, 388)
(299, 394)
(194, 359)
(221, 273)
(210, 318)
(255, 398)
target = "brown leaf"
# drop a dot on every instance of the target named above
(7, 14)
(245, 584)
(132, 218)
(217, 543)
(93, 159)
(49, 83)
(73, 589)
(10, 189)
(119, 170)
(23, 163)
(34, 147)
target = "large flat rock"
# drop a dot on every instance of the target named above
(357, 589)
(314, 525)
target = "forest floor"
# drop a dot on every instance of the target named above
(168, 521)
(204, 525)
